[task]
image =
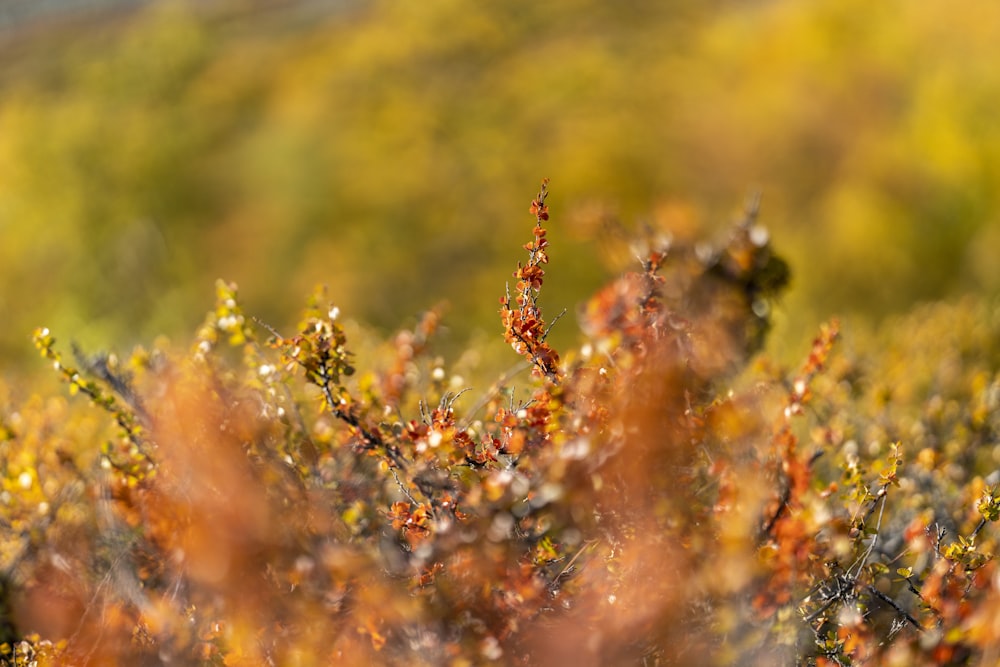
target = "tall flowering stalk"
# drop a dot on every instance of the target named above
(524, 326)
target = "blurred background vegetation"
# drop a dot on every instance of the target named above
(390, 150)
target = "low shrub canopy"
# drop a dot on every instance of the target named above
(660, 495)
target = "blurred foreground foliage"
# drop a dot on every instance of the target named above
(377, 146)
(661, 495)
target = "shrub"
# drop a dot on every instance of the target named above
(655, 497)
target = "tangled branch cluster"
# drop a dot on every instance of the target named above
(654, 499)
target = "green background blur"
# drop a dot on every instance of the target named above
(390, 150)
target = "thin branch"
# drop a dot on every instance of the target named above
(892, 603)
(860, 563)
(783, 500)
(372, 440)
(402, 487)
(493, 391)
(553, 323)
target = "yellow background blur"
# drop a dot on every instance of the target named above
(390, 150)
